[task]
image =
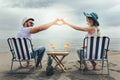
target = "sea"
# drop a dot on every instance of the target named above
(74, 43)
(59, 37)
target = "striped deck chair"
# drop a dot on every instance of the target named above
(96, 50)
(20, 49)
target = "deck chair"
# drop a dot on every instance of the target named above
(20, 49)
(96, 50)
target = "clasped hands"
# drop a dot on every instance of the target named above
(59, 22)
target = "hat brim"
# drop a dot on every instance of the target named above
(27, 19)
(88, 15)
(30, 19)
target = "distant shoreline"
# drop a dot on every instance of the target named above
(74, 43)
(73, 51)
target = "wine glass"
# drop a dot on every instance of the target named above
(52, 46)
(66, 46)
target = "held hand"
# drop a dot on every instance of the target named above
(55, 21)
(59, 22)
(63, 21)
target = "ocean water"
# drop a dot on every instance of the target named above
(58, 36)
(59, 43)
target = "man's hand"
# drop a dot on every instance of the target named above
(55, 22)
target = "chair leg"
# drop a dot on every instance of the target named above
(11, 66)
(108, 70)
(35, 61)
(20, 63)
(102, 66)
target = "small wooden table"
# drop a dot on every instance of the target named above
(55, 55)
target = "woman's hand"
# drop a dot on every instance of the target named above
(63, 21)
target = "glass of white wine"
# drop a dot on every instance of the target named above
(52, 46)
(66, 46)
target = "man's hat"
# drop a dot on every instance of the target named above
(26, 19)
(93, 15)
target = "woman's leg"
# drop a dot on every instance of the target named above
(81, 55)
(93, 64)
(78, 52)
(28, 64)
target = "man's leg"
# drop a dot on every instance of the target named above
(40, 53)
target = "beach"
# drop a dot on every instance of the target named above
(71, 64)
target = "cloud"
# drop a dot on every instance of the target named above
(111, 16)
(115, 9)
(27, 3)
(12, 11)
(11, 18)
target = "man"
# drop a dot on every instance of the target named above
(26, 32)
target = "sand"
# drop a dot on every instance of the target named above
(72, 69)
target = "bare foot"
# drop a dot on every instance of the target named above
(28, 65)
(85, 69)
(40, 65)
(94, 66)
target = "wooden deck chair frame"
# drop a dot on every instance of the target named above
(96, 50)
(20, 49)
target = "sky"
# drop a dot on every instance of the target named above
(44, 11)
(12, 13)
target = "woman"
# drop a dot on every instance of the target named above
(91, 29)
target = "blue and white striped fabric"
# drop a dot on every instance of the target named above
(20, 48)
(95, 47)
